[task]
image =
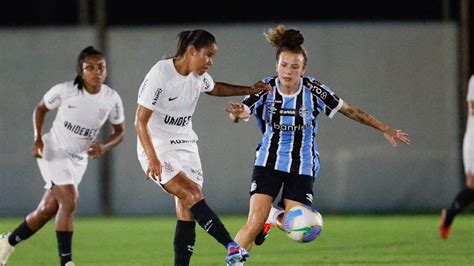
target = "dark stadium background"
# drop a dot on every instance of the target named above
(142, 12)
(149, 12)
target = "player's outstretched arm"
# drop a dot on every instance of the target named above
(225, 89)
(363, 117)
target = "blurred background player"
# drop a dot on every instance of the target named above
(167, 145)
(84, 105)
(287, 156)
(466, 196)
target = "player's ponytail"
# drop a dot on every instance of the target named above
(199, 38)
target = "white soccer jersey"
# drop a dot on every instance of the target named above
(173, 98)
(80, 114)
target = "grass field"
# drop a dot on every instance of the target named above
(345, 240)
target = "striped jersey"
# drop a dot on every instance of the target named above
(289, 124)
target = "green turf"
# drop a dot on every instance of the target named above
(345, 240)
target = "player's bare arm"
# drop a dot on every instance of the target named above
(38, 121)
(225, 89)
(363, 117)
(143, 116)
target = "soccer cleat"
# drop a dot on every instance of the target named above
(70, 263)
(5, 249)
(263, 234)
(235, 254)
(443, 229)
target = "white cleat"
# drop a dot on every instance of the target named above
(5, 249)
(70, 263)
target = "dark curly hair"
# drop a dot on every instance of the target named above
(286, 40)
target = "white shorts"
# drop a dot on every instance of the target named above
(174, 161)
(60, 167)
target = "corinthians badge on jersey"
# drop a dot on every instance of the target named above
(102, 113)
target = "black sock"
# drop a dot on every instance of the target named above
(64, 246)
(184, 239)
(208, 220)
(462, 200)
(22, 232)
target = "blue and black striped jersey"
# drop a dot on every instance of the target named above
(289, 125)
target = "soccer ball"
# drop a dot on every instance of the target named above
(303, 223)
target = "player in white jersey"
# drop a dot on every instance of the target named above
(83, 106)
(288, 119)
(167, 145)
(465, 197)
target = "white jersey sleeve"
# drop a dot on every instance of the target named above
(151, 89)
(54, 96)
(116, 115)
(207, 83)
(470, 89)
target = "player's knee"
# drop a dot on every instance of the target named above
(470, 180)
(256, 222)
(470, 183)
(47, 210)
(68, 204)
(192, 196)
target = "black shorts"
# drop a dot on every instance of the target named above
(293, 186)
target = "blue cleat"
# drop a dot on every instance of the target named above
(235, 254)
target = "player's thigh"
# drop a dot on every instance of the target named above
(298, 188)
(65, 194)
(48, 204)
(266, 181)
(260, 205)
(470, 180)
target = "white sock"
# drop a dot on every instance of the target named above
(274, 213)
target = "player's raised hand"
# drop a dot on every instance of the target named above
(393, 136)
(237, 110)
(260, 86)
